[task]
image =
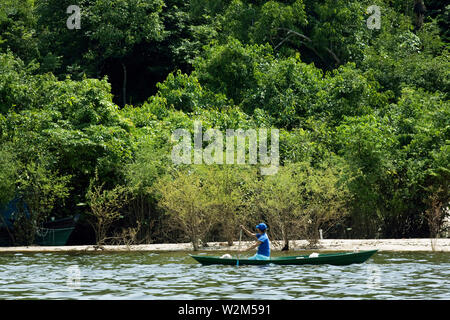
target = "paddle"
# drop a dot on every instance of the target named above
(239, 247)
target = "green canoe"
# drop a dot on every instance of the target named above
(53, 237)
(339, 259)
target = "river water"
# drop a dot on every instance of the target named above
(174, 275)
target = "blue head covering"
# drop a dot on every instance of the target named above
(261, 226)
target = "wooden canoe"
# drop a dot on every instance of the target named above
(338, 259)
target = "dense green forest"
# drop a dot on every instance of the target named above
(87, 114)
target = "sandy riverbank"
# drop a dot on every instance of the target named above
(440, 245)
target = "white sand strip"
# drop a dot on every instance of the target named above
(440, 245)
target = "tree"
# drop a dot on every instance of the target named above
(226, 189)
(41, 189)
(423, 122)
(367, 144)
(398, 58)
(277, 198)
(17, 25)
(301, 199)
(184, 92)
(324, 196)
(230, 68)
(17, 88)
(286, 89)
(105, 207)
(419, 12)
(8, 175)
(346, 91)
(70, 128)
(118, 26)
(436, 212)
(152, 160)
(377, 98)
(111, 32)
(183, 198)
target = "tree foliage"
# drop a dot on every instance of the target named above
(363, 114)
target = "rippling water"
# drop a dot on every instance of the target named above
(174, 275)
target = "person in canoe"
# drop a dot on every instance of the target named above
(262, 242)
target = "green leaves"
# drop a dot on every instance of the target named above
(105, 206)
(183, 92)
(396, 157)
(17, 23)
(274, 17)
(300, 199)
(72, 124)
(286, 89)
(231, 68)
(377, 98)
(8, 174)
(184, 199)
(121, 24)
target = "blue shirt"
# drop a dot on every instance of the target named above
(264, 247)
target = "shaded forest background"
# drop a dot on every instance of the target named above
(86, 116)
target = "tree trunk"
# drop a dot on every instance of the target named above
(194, 240)
(124, 84)
(286, 240)
(419, 12)
(229, 237)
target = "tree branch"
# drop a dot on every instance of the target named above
(292, 32)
